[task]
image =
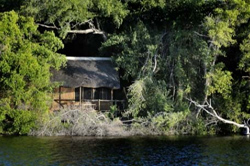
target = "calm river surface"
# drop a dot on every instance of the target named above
(233, 150)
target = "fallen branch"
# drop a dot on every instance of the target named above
(80, 122)
(207, 107)
(53, 119)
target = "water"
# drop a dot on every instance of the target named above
(158, 151)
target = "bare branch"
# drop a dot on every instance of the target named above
(201, 35)
(155, 63)
(211, 122)
(247, 77)
(211, 111)
(144, 65)
(86, 31)
(97, 23)
(48, 26)
(82, 23)
(208, 79)
(202, 107)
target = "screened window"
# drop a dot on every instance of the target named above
(104, 93)
(96, 94)
(87, 93)
(77, 94)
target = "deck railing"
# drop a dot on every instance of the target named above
(97, 104)
(103, 105)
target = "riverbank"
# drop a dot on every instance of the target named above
(89, 122)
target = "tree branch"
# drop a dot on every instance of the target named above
(48, 26)
(246, 77)
(155, 65)
(201, 35)
(211, 111)
(82, 23)
(86, 31)
(208, 79)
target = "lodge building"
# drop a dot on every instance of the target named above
(87, 82)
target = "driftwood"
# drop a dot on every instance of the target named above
(208, 108)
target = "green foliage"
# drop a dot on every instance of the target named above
(219, 31)
(179, 53)
(221, 82)
(245, 60)
(137, 100)
(168, 121)
(111, 8)
(186, 49)
(26, 57)
(67, 15)
(149, 4)
(135, 46)
(157, 97)
(148, 98)
(200, 128)
(16, 121)
(112, 112)
(149, 101)
(192, 59)
(182, 69)
(222, 28)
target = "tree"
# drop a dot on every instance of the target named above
(192, 54)
(187, 49)
(26, 57)
(221, 86)
(75, 16)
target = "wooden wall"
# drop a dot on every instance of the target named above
(66, 94)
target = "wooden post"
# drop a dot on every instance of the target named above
(99, 105)
(123, 104)
(92, 94)
(60, 96)
(80, 97)
(112, 94)
(82, 94)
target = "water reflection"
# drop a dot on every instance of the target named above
(158, 151)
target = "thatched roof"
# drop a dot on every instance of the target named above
(92, 72)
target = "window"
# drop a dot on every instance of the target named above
(88, 93)
(96, 94)
(77, 92)
(104, 93)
